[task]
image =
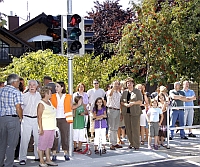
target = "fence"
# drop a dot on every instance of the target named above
(169, 110)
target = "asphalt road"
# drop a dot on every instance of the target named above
(167, 163)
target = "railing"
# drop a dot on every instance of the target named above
(180, 127)
(6, 54)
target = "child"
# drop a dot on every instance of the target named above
(163, 128)
(153, 120)
(99, 113)
(79, 123)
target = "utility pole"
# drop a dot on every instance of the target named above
(70, 82)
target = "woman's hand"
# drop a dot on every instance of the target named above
(41, 132)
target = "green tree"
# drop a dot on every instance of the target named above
(36, 65)
(164, 41)
(2, 16)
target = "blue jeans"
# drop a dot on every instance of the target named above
(177, 114)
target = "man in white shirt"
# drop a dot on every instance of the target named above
(113, 104)
(93, 94)
(29, 123)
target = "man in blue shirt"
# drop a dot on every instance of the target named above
(189, 112)
(10, 116)
(178, 97)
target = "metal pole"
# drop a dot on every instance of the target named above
(168, 115)
(69, 6)
(70, 82)
(70, 89)
(62, 34)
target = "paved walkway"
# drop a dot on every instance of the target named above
(178, 148)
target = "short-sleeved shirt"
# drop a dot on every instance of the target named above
(154, 114)
(93, 94)
(179, 103)
(189, 93)
(9, 98)
(103, 121)
(85, 97)
(78, 122)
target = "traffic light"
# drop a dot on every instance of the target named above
(54, 30)
(73, 34)
(89, 33)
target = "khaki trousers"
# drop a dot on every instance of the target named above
(132, 124)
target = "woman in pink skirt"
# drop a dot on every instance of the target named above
(47, 126)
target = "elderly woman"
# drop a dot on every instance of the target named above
(47, 125)
(130, 105)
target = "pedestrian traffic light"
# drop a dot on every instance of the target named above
(89, 33)
(54, 30)
(73, 34)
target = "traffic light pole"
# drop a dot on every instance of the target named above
(70, 82)
(70, 89)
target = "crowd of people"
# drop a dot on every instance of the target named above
(124, 109)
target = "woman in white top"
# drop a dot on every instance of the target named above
(58, 100)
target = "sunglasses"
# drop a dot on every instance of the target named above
(96, 83)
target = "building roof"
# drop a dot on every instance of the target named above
(40, 18)
(10, 35)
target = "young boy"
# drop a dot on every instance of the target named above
(153, 120)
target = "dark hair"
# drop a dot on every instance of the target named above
(77, 98)
(95, 104)
(161, 94)
(62, 84)
(47, 78)
(21, 87)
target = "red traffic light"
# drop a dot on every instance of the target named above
(75, 19)
(54, 20)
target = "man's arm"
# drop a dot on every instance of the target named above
(19, 110)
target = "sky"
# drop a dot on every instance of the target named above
(53, 7)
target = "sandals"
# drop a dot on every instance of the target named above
(96, 151)
(142, 142)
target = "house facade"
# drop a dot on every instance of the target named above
(14, 40)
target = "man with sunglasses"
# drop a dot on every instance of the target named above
(93, 94)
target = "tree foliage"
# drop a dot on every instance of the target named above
(108, 18)
(38, 64)
(164, 41)
(2, 18)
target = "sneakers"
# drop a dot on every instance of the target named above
(22, 162)
(66, 157)
(191, 135)
(54, 158)
(184, 138)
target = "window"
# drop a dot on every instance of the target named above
(4, 50)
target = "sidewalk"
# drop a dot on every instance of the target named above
(178, 148)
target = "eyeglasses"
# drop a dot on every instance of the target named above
(96, 83)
